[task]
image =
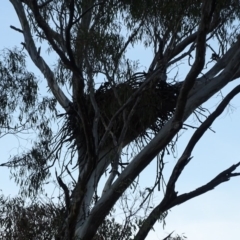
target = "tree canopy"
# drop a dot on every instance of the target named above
(104, 116)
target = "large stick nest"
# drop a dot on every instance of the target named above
(155, 107)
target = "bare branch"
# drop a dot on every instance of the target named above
(170, 201)
(224, 176)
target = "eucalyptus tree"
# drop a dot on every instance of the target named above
(91, 40)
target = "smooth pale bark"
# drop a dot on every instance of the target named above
(195, 91)
(37, 59)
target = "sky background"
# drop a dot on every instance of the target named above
(214, 215)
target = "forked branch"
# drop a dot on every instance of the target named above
(184, 159)
(173, 200)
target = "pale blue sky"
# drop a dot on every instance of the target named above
(214, 215)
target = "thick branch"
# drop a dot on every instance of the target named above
(38, 60)
(206, 88)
